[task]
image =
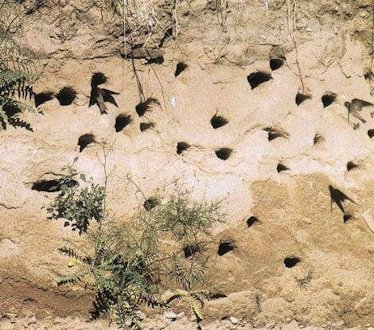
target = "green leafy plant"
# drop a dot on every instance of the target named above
(15, 73)
(158, 258)
(76, 205)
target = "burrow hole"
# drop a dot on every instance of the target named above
(290, 262)
(276, 57)
(143, 107)
(371, 133)
(300, 98)
(146, 126)
(181, 66)
(328, 98)
(191, 249)
(226, 245)
(151, 203)
(66, 95)
(275, 133)
(181, 147)
(84, 140)
(43, 97)
(281, 168)
(52, 185)
(351, 166)
(252, 221)
(223, 153)
(276, 63)
(218, 121)
(257, 78)
(122, 121)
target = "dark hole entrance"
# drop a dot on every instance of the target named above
(85, 140)
(290, 262)
(122, 121)
(98, 78)
(151, 203)
(328, 99)
(276, 63)
(218, 121)
(351, 166)
(181, 66)
(371, 133)
(52, 185)
(66, 95)
(143, 107)
(251, 221)
(225, 246)
(318, 139)
(182, 146)
(300, 98)
(42, 98)
(257, 78)
(156, 60)
(223, 153)
(145, 126)
(347, 217)
(190, 250)
(274, 133)
(218, 296)
(281, 168)
(369, 75)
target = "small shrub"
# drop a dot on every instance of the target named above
(78, 206)
(135, 263)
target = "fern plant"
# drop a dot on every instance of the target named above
(16, 77)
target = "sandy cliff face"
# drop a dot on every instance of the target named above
(296, 258)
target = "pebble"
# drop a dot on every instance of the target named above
(170, 315)
(233, 320)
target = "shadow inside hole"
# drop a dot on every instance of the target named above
(218, 121)
(191, 250)
(290, 262)
(66, 96)
(145, 126)
(223, 153)
(281, 168)
(328, 98)
(251, 221)
(351, 166)
(225, 246)
(347, 217)
(52, 185)
(369, 75)
(219, 295)
(143, 107)
(151, 203)
(300, 98)
(276, 63)
(85, 140)
(181, 66)
(257, 78)
(274, 133)
(43, 97)
(182, 146)
(156, 60)
(371, 133)
(122, 121)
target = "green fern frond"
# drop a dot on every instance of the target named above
(72, 279)
(67, 251)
